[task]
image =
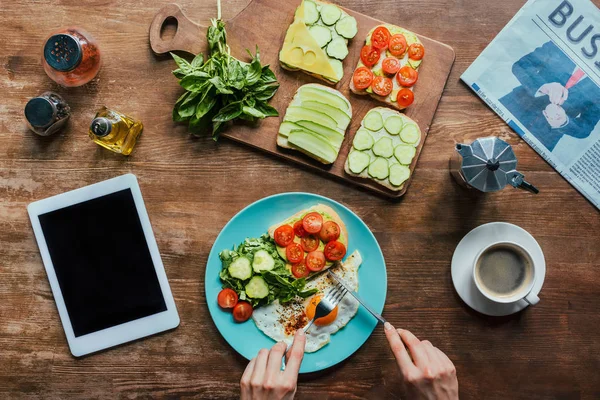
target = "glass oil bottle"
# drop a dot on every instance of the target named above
(115, 131)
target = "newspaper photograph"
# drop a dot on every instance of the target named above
(541, 74)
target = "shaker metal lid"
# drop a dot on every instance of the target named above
(101, 126)
(62, 52)
(488, 164)
(40, 112)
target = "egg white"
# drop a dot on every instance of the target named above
(273, 319)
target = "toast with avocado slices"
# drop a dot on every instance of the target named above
(388, 65)
(332, 233)
(317, 40)
(383, 148)
(315, 122)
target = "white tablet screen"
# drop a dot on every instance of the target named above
(102, 262)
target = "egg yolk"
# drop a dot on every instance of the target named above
(311, 309)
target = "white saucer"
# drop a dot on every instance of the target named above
(469, 247)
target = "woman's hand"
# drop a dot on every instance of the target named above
(263, 378)
(427, 373)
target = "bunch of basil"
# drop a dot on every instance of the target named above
(222, 88)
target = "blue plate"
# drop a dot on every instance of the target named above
(255, 220)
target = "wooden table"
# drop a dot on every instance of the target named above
(193, 186)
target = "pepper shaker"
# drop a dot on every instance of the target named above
(47, 113)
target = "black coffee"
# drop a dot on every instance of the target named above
(504, 270)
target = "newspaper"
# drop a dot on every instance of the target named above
(541, 74)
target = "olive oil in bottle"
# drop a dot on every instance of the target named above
(115, 131)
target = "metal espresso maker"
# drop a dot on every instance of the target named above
(488, 164)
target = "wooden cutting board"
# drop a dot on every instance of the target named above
(264, 23)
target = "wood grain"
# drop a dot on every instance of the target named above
(193, 186)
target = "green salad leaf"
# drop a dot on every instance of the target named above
(282, 285)
(222, 88)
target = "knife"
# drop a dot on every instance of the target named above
(345, 286)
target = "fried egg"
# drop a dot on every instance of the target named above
(280, 322)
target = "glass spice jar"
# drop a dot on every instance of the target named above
(47, 113)
(71, 57)
(115, 131)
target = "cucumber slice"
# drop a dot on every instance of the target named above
(330, 14)
(314, 145)
(343, 120)
(257, 288)
(414, 63)
(295, 113)
(240, 268)
(363, 140)
(410, 134)
(399, 174)
(358, 161)
(404, 153)
(384, 147)
(324, 96)
(393, 124)
(379, 168)
(346, 27)
(321, 34)
(262, 261)
(286, 127)
(373, 121)
(311, 13)
(337, 48)
(335, 137)
(338, 67)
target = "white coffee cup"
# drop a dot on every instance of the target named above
(499, 266)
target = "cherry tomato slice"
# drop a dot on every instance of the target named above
(397, 45)
(369, 55)
(310, 243)
(390, 65)
(382, 85)
(294, 253)
(242, 311)
(227, 298)
(416, 51)
(284, 235)
(405, 97)
(407, 76)
(330, 231)
(299, 270)
(299, 229)
(312, 222)
(315, 261)
(380, 37)
(335, 250)
(362, 78)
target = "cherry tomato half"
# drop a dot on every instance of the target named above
(310, 243)
(330, 231)
(390, 65)
(380, 37)
(382, 85)
(299, 270)
(405, 97)
(362, 78)
(227, 298)
(284, 235)
(312, 222)
(299, 229)
(294, 253)
(315, 260)
(416, 51)
(397, 45)
(242, 311)
(335, 250)
(407, 76)
(369, 55)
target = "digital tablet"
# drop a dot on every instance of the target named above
(103, 265)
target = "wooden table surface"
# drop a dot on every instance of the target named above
(193, 186)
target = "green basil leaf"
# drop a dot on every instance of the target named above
(205, 105)
(187, 110)
(194, 81)
(267, 75)
(190, 98)
(228, 112)
(266, 109)
(181, 98)
(179, 74)
(216, 35)
(176, 116)
(255, 69)
(253, 112)
(218, 82)
(198, 61)
(183, 64)
(265, 92)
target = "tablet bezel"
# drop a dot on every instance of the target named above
(125, 332)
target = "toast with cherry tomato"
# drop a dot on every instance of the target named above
(311, 240)
(388, 66)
